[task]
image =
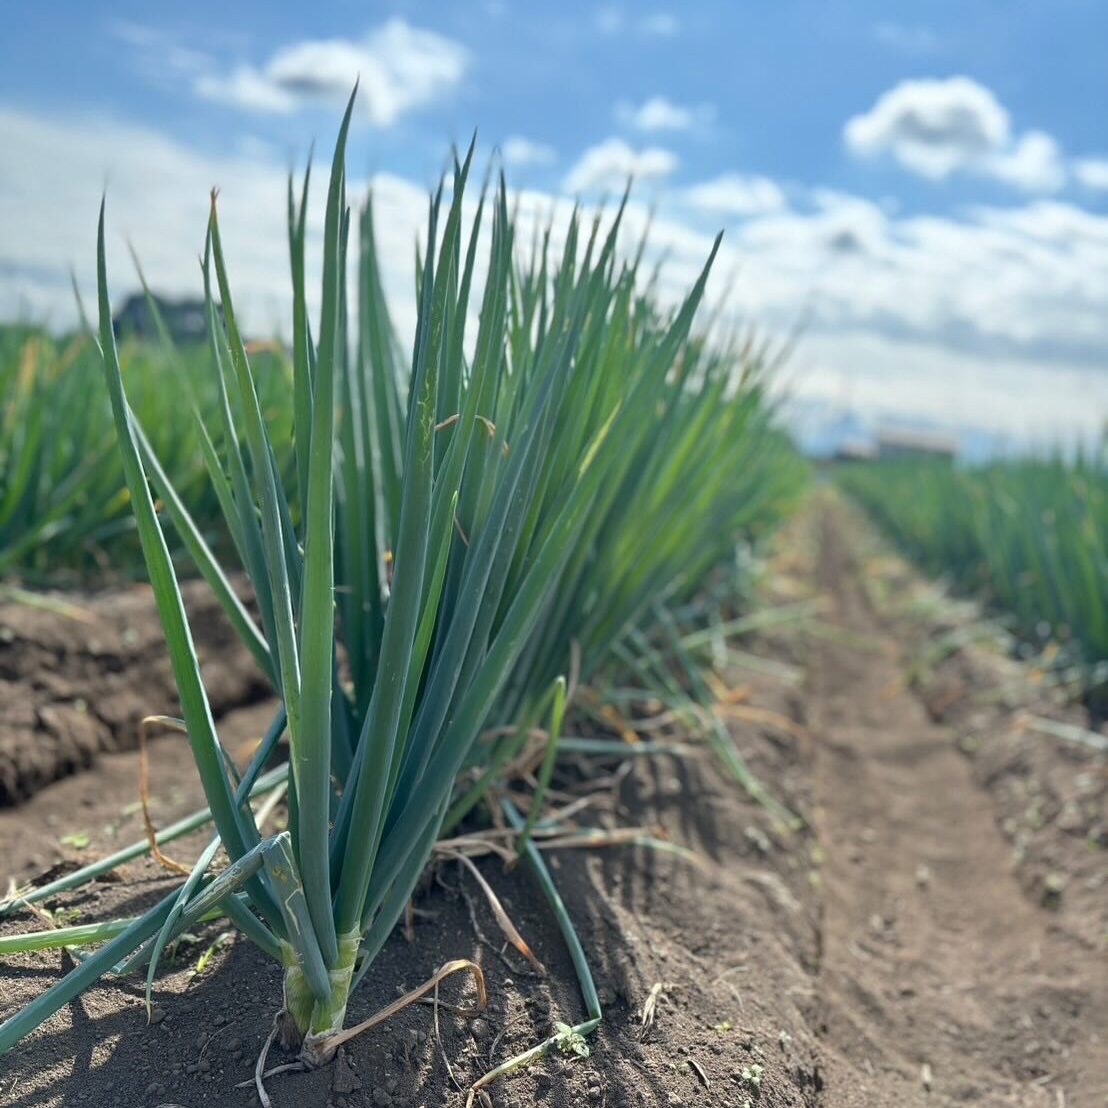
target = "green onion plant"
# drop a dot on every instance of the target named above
(451, 531)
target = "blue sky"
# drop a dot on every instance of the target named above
(924, 185)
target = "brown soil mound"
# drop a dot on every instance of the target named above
(74, 686)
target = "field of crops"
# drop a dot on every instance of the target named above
(65, 516)
(1030, 537)
(440, 552)
(559, 655)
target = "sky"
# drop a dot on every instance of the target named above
(917, 191)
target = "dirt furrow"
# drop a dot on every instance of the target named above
(940, 982)
(78, 673)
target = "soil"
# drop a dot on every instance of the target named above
(101, 804)
(941, 980)
(1049, 796)
(77, 684)
(898, 951)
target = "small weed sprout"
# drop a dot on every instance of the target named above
(570, 1042)
(752, 1075)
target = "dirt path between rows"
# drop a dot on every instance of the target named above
(939, 981)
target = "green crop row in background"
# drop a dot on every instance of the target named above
(65, 514)
(1031, 536)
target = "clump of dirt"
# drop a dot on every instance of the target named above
(75, 685)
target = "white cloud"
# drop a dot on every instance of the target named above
(661, 114)
(938, 127)
(609, 164)
(994, 318)
(613, 20)
(1034, 164)
(135, 34)
(737, 195)
(155, 42)
(1024, 401)
(244, 87)
(838, 227)
(910, 39)
(660, 23)
(932, 127)
(1092, 172)
(400, 68)
(160, 58)
(158, 198)
(519, 151)
(1007, 280)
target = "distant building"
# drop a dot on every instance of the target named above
(897, 442)
(186, 320)
(855, 450)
